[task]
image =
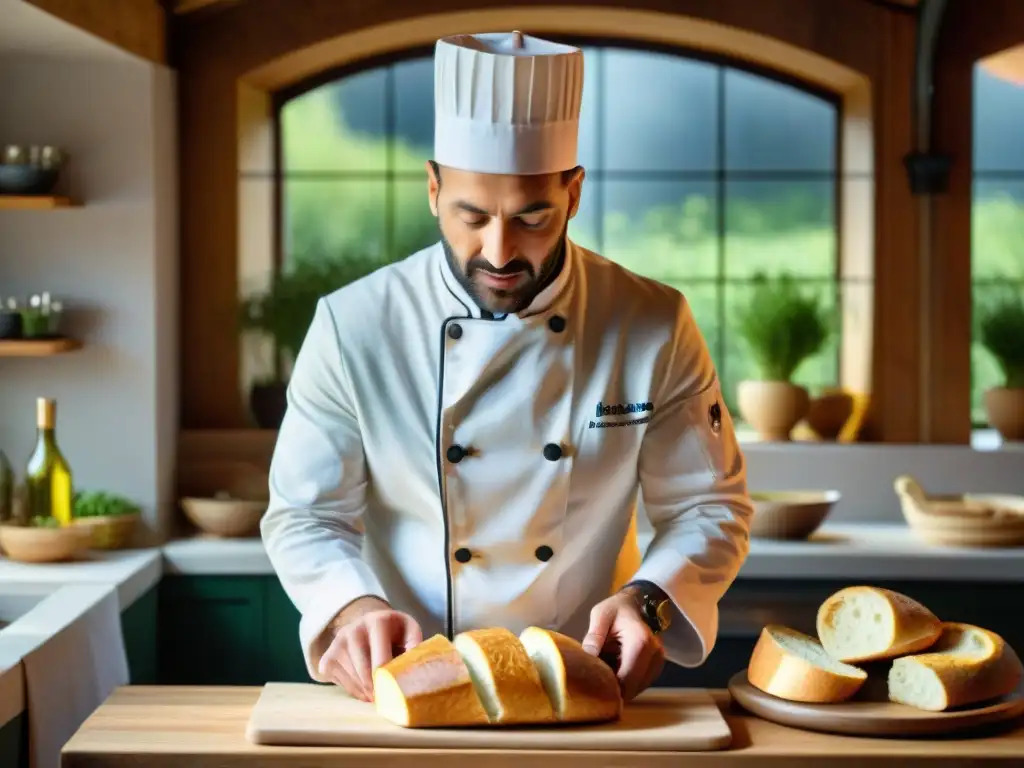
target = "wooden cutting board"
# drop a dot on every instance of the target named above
(660, 720)
(871, 714)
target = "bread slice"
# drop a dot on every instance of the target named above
(791, 665)
(872, 624)
(506, 680)
(581, 687)
(427, 686)
(966, 665)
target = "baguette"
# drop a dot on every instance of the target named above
(580, 686)
(505, 678)
(966, 665)
(862, 623)
(794, 666)
(427, 686)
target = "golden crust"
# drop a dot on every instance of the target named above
(590, 688)
(972, 664)
(915, 627)
(781, 673)
(520, 694)
(427, 686)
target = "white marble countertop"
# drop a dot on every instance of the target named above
(850, 551)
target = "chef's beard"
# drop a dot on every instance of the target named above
(500, 301)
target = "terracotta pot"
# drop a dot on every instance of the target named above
(1005, 409)
(772, 408)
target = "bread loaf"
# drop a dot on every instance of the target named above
(506, 680)
(428, 685)
(871, 624)
(966, 665)
(580, 686)
(794, 666)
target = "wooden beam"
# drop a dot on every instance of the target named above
(137, 26)
(182, 7)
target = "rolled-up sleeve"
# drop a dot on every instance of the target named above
(313, 527)
(694, 492)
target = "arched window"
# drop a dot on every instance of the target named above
(699, 174)
(997, 225)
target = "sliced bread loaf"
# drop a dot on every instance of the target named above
(966, 665)
(794, 666)
(864, 623)
(508, 683)
(581, 687)
(428, 685)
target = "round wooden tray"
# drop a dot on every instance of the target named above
(870, 714)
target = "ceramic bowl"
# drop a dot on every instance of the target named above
(34, 544)
(226, 517)
(790, 515)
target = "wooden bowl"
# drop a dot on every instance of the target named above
(110, 531)
(35, 544)
(965, 520)
(790, 515)
(225, 517)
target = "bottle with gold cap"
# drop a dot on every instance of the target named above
(48, 488)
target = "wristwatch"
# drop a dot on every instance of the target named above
(655, 606)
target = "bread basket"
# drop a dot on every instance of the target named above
(966, 520)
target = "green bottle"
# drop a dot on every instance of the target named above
(48, 491)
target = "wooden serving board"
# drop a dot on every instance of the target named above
(659, 720)
(871, 714)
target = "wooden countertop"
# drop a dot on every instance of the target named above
(204, 727)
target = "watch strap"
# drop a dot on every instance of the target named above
(652, 603)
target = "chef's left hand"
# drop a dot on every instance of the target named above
(616, 629)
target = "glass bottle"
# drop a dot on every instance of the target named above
(48, 493)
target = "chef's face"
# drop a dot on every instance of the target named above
(504, 235)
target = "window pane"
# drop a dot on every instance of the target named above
(776, 226)
(998, 138)
(662, 229)
(997, 229)
(413, 226)
(329, 218)
(414, 113)
(819, 371)
(660, 112)
(338, 126)
(770, 126)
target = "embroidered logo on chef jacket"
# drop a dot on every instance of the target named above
(622, 409)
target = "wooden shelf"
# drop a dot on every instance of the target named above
(37, 347)
(35, 202)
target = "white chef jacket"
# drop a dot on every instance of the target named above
(480, 471)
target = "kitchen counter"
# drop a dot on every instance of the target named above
(166, 727)
(846, 552)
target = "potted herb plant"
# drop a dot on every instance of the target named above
(284, 312)
(783, 327)
(1000, 329)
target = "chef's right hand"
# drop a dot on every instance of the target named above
(367, 633)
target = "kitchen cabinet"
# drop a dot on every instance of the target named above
(227, 630)
(243, 630)
(14, 742)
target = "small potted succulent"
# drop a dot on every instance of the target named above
(1000, 330)
(782, 326)
(284, 312)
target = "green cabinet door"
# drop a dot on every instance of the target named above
(139, 628)
(212, 630)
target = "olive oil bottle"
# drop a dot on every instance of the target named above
(48, 488)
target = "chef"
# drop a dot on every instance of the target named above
(470, 430)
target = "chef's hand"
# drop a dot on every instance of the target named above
(617, 630)
(367, 633)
